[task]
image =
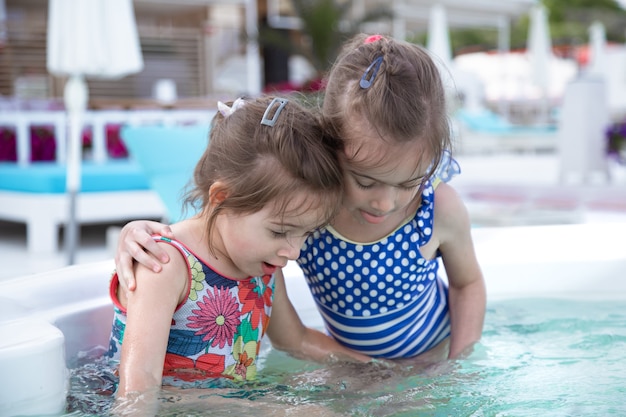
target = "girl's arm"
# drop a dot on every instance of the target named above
(467, 294)
(135, 243)
(287, 332)
(149, 315)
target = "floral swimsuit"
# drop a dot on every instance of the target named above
(216, 331)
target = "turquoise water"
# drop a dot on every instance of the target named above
(536, 358)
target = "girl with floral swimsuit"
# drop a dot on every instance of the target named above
(268, 178)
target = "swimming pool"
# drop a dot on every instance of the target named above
(554, 340)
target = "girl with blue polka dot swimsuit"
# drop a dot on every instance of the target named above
(382, 298)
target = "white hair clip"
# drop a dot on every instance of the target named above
(226, 110)
(281, 102)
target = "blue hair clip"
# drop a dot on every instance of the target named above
(271, 122)
(373, 68)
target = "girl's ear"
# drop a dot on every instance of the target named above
(217, 193)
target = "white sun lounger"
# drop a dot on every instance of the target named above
(112, 190)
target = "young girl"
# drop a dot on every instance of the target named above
(374, 271)
(268, 177)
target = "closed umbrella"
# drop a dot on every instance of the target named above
(87, 38)
(439, 46)
(539, 50)
(598, 59)
(438, 35)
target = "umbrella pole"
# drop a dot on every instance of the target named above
(75, 97)
(72, 233)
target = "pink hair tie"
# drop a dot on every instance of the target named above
(373, 38)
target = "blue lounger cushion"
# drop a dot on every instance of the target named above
(489, 122)
(50, 177)
(168, 156)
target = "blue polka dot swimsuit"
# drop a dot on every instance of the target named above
(383, 298)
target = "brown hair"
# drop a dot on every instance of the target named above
(263, 164)
(406, 98)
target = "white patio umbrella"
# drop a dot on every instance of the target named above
(540, 56)
(598, 58)
(87, 38)
(438, 35)
(438, 44)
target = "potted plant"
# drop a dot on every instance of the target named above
(616, 142)
(616, 151)
(325, 25)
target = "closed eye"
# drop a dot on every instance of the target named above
(364, 187)
(409, 185)
(412, 186)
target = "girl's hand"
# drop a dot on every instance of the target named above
(136, 244)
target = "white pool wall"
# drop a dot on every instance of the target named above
(50, 316)
(44, 319)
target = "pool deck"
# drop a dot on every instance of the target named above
(498, 189)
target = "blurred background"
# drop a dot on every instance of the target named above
(202, 46)
(537, 93)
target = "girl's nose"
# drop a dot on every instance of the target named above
(385, 200)
(291, 248)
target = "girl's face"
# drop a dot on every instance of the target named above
(257, 244)
(382, 177)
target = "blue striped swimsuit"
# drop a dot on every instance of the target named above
(383, 298)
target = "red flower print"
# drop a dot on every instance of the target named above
(206, 366)
(245, 354)
(255, 295)
(241, 368)
(217, 317)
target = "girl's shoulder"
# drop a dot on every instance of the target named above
(450, 213)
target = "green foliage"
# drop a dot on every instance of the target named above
(321, 20)
(569, 26)
(560, 9)
(325, 26)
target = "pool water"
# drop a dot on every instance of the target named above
(537, 357)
